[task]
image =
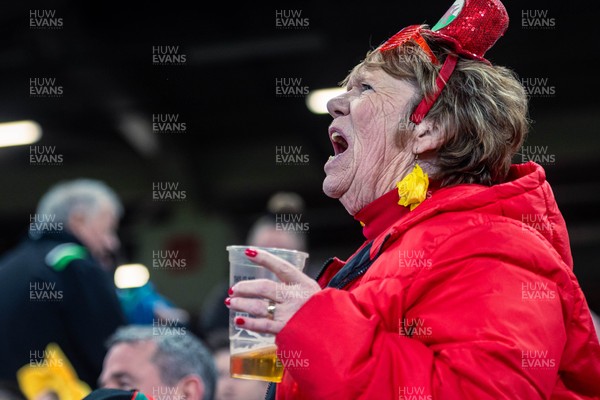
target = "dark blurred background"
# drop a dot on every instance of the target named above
(227, 91)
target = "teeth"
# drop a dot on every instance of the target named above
(336, 137)
(340, 140)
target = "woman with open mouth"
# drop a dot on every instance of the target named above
(464, 286)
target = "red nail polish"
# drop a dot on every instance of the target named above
(239, 321)
(230, 291)
(251, 252)
(227, 301)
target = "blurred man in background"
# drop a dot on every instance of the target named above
(164, 363)
(265, 231)
(56, 288)
(275, 228)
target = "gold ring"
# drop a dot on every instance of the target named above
(271, 309)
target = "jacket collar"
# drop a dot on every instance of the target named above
(380, 214)
(521, 178)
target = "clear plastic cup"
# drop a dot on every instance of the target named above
(254, 355)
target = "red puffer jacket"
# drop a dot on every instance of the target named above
(469, 296)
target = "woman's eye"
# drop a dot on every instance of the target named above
(365, 86)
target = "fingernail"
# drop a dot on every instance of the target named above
(239, 321)
(230, 291)
(227, 301)
(251, 252)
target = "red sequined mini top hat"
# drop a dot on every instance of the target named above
(470, 27)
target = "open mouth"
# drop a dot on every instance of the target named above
(339, 143)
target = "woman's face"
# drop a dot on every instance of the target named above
(368, 159)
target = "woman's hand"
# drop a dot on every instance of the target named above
(255, 296)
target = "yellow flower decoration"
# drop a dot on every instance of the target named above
(412, 189)
(52, 374)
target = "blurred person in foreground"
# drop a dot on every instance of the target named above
(229, 388)
(56, 292)
(166, 363)
(464, 286)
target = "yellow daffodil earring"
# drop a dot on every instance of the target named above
(412, 189)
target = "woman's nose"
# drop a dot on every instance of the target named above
(339, 106)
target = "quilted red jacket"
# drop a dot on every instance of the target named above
(470, 296)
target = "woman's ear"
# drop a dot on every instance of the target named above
(427, 137)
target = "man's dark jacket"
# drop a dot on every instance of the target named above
(52, 290)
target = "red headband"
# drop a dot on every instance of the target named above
(426, 103)
(413, 33)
